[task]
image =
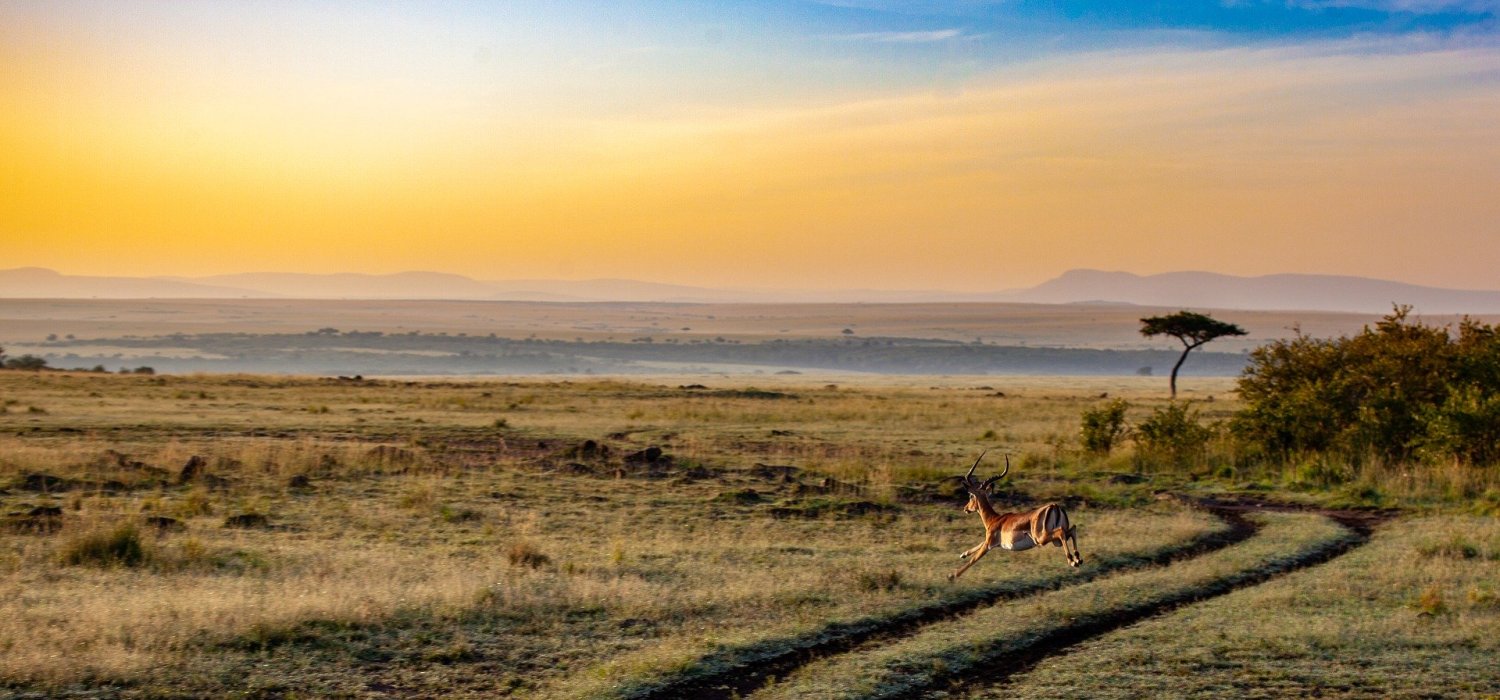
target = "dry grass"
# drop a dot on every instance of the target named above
(1415, 613)
(960, 646)
(417, 536)
(449, 538)
(364, 555)
(831, 581)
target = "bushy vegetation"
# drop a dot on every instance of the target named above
(1104, 426)
(1171, 436)
(26, 362)
(1174, 432)
(1402, 412)
(1396, 392)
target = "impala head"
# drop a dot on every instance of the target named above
(978, 488)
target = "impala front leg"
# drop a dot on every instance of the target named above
(983, 549)
(970, 551)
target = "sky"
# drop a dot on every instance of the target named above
(963, 145)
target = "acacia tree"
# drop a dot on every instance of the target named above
(1193, 329)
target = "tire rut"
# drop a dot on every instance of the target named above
(748, 676)
(1360, 524)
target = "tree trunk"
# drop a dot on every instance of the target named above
(1180, 360)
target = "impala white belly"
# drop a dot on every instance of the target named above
(1016, 542)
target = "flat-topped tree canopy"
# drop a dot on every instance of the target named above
(1193, 329)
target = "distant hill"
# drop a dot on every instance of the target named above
(1199, 290)
(607, 290)
(41, 283)
(350, 285)
(1208, 290)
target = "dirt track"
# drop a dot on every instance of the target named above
(753, 673)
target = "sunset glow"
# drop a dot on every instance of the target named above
(960, 145)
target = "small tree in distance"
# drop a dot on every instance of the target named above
(1193, 329)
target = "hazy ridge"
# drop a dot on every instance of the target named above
(1204, 290)
(1269, 292)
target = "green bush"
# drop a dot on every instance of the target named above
(1466, 427)
(1320, 471)
(1173, 433)
(1104, 426)
(26, 362)
(1390, 392)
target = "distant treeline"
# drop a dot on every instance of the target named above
(330, 351)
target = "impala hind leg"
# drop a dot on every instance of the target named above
(1074, 557)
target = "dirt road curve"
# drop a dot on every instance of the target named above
(756, 670)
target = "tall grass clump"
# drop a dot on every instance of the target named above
(527, 555)
(120, 545)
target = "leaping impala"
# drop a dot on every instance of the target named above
(1014, 531)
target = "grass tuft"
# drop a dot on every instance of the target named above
(872, 581)
(527, 555)
(106, 547)
(1430, 602)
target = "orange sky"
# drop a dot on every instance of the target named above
(129, 152)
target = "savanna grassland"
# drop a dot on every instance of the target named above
(259, 536)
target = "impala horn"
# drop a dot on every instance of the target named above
(997, 477)
(969, 478)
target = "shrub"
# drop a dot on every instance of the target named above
(1466, 427)
(1320, 471)
(1173, 432)
(1393, 390)
(26, 362)
(1104, 426)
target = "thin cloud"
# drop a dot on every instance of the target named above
(903, 37)
(1419, 7)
